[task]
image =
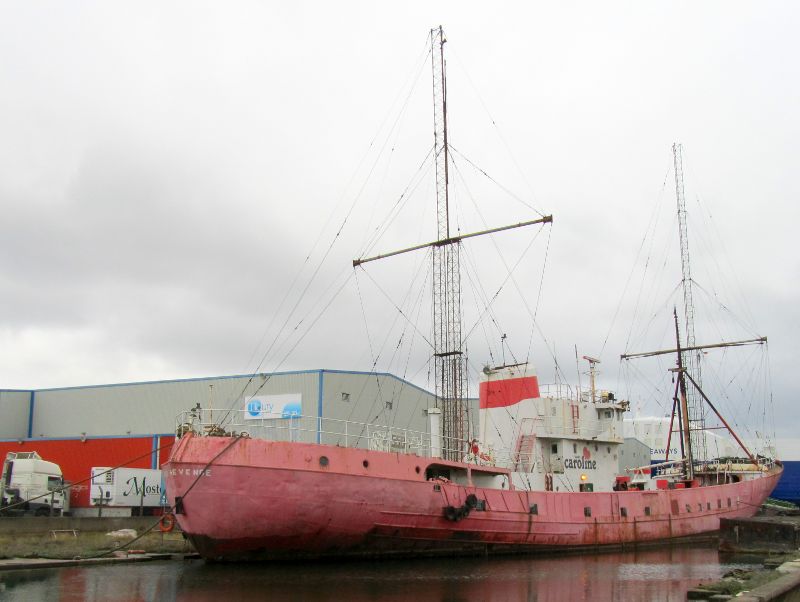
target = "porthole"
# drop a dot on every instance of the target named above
(323, 461)
(416, 470)
(365, 463)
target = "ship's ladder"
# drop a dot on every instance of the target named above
(524, 448)
(523, 455)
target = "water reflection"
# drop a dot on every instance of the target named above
(659, 575)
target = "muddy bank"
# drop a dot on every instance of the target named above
(44, 524)
(70, 544)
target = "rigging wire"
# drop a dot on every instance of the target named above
(712, 297)
(411, 344)
(416, 180)
(379, 396)
(395, 125)
(399, 310)
(651, 226)
(539, 294)
(497, 129)
(711, 226)
(509, 276)
(335, 238)
(509, 270)
(399, 313)
(494, 181)
(299, 339)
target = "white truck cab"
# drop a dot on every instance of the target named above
(30, 485)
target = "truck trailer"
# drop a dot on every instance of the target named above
(127, 491)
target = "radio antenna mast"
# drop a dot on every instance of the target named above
(690, 359)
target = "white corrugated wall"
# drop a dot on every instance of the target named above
(14, 407)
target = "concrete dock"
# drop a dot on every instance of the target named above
(760, 534)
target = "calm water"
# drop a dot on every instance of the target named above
(655, 575)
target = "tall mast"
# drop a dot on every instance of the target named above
(449, 359)
(690, 360)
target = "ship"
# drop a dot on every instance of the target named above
(541, 471)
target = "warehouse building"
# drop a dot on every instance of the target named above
(135, 423)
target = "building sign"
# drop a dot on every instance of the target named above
(265, 407)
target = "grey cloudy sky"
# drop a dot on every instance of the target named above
(166, 168)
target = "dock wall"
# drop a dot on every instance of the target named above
(29, 525)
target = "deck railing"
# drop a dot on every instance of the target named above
(344, 433)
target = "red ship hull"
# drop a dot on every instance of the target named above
(240, 498)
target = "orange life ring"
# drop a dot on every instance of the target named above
(167, 523)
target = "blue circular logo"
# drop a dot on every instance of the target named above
(254, 407)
